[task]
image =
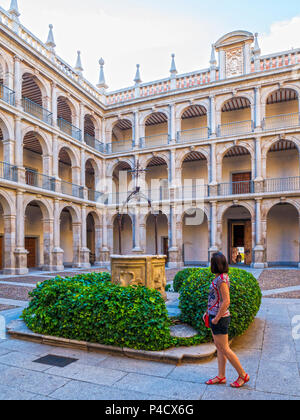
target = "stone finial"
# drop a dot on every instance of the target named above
(173, 69)
(78, 65)
(102, 84)
(213, 61)
(256, 50)
(137, 78)
(14, 9)
(50, 40)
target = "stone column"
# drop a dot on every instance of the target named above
(8, 151)
(54, 104)
(136, 130)
(173, 249)
(20, 251)
(104, 254)
(299, 243)
(213, 185)
(9, 241)
(179, 239)
(258, 110)
(18, 82)
(98, 241)
(48, 244)
(136, 231)
(259, 250)
(19, 150)
(172, 123)
(84, 251)
(212, 116)
(76, 227)
(213, 229)
(57, 253)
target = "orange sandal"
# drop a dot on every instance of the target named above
(220, 381)
(246, 379)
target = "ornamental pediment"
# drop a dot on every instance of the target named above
(233, 38)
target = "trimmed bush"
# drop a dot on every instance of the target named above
(91, 308)
(245, 296)
(181, 276)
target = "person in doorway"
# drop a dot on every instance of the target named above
(219, 321)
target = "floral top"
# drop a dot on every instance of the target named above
(215, 296)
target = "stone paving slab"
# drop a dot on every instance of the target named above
(161, 386)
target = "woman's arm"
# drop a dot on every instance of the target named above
(225, 293)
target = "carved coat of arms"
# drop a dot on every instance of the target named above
(234, 62)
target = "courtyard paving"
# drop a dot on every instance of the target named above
(270, 352)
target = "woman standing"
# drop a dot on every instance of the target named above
(219, 321)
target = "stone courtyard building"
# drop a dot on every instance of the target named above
(221, 148)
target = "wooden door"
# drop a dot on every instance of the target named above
(241, 183)
(30, 246)
(1, 252)
(248, 242)
(166, 247)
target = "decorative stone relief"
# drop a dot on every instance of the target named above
(234, 62)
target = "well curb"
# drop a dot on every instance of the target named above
(196, 354)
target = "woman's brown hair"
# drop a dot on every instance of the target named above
(219, 264)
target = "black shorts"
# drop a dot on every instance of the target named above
(222, 327)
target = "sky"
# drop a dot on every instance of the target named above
(147, 32)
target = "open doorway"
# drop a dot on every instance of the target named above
(240, 242)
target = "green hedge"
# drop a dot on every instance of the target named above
(91, 308)
(245, 296)
(181, 276)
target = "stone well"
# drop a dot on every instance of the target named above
(140, 270)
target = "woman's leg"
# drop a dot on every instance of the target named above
(222, 344)
(222, 361)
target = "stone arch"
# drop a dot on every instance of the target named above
(6, 127)
(70, 241)
(34, 87)
(8, 205)
(238, 149)
(44, 141)
(67, 109)
(195, 236)
(222, 100)
(74, 211)
(39, 228)
(45, 205)
(267, 92)
(72, 154)
(281, 232)
(4, 69)
(145, 116)
(110, 168)
(269, 143)
(180, 109)
(242, 215)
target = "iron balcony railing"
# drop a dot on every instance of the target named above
(236, 128)
(8, 172)
(71, 189)
(236, 188)
(94, 143)
(35, 179)
(282, 184)
(69, 129)
(37, 111)
(156, 140)
(119, 146)
(160, 194)
(95, 196)
(195, 193)
(281, 121)
(7, 95)
(194, 134)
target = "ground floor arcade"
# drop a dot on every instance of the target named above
(48, 234)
